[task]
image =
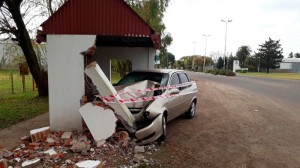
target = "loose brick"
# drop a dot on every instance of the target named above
(39, 134)
(3, 163)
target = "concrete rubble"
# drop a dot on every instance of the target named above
(77, 149)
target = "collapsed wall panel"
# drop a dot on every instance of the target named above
(105, 88)
(101, 122)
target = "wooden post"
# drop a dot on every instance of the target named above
(24, 84)
(12, 83)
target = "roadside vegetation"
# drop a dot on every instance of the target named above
(18, 106)
(221, 72)
(289, 76)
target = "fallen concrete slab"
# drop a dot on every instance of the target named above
(105, 88)
(101, 122)
(89, 164)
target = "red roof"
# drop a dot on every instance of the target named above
(99, 17)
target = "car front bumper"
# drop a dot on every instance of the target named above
(151, 132)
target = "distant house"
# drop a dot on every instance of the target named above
(292, 64)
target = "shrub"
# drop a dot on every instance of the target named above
(222, 72)
(215, 72)
(208, 71)
(230, 73)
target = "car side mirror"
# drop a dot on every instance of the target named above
(174, 91)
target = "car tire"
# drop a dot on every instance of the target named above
(192, 110)
(163, 137)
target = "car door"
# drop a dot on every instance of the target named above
(174, 103)
(185, 92)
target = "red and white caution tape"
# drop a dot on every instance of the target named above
(148, 89)
(112, 98)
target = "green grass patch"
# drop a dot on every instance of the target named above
(18, 106)
(115, 77)
(289, 76)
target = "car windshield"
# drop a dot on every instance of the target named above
(136, 76)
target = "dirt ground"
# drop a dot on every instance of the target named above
(232, 128)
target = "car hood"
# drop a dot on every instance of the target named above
(134, 91)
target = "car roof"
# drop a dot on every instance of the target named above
(169, 71)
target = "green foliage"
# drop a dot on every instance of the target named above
(230, 73)
(291, 55)
(230, 61)
(152, 11)
(188, 63)
(270, 54)
(208, 71)
(167, 59)
(251, 63)
(215, 72)
(242, 53)
(220, 63)
(221, 72)
(297, 55)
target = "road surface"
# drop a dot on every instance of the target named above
(241, 122)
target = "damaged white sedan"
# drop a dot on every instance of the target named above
(145, 100)
(173, 95)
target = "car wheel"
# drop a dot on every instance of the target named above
(163, 137)
(192, 110)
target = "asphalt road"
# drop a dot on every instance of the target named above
(241, 122)
(285, 91)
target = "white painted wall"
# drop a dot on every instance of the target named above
(66, 79)
(285, 65)
(141, 57)
(236, 65)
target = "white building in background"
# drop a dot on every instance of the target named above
(236, 65)
(292, 64)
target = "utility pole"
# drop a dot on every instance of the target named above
(226, 21)
(206, 36)
(193, 63)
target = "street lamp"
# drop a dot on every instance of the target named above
(226, 21)
(206, 36)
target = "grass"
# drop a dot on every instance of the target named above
(19, 106)
(115, 77)
(289, 76)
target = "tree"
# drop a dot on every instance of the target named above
(242, 53)
(166, 60)
(291, 55)
(220, 63)
(251, 63)
(297, 55)
(270, 54)
(13, 23)
(188, 63)
(231, 58)
(152, 11)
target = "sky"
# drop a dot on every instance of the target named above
(253, 22)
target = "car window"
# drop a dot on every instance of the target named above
(136, 76)
(175, 80)
(183, 78)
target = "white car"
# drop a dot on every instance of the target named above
(175, 95)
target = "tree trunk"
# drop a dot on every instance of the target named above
(267, 70)
(40, 77)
